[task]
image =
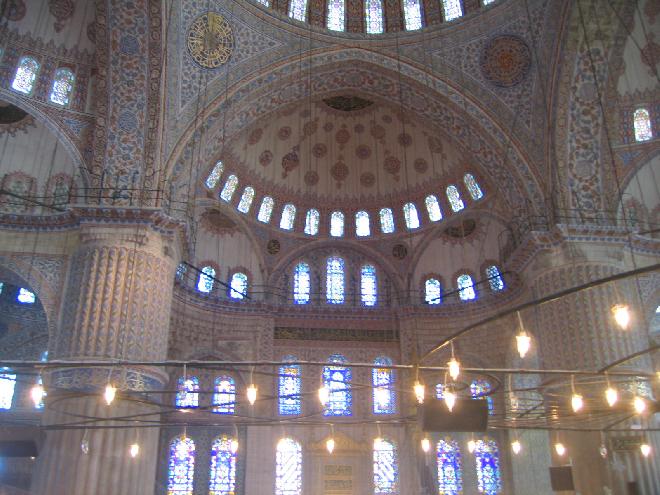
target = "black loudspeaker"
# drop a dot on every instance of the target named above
(633, 488)
(561, 478)
(467, 415)
(18, 448)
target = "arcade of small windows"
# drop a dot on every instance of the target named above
(237, 288)
(465, 286)
(27, 73)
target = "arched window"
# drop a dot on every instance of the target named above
(301, 283)
(373, 16)
(224, 395)
(25, 296)
(334, 280)
(362, 228)
(466, 288)
(487, 458)
(386, 468)
(187, 392)
(642, 125)
(452, 9)
(206, 279)
(412, 14)
(62, 88)
(382, 381)
(337, 224)
(312, 222)
(288, 216)
(289, 388)
(222, 476)
(298, 9)
(368, 285)
(386, 220)
(26, 75)
(214, 176)
(181, 470)
(450, 476)
(410, 215)
(266, 209)
(288, 468)
(495, 279)
(454, 198)
(336, 15)
(473, 187)
(246, 199)
(337, 379)
(181, 270)
(440, 391)
(432, 291)
(433, 208)
(238, 286)
(7, 386)
(479, 389)
(229, 188)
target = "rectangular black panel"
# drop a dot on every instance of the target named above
(467, 415)
(17, 448)
(561, 478)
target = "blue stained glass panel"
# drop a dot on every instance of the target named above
(454, 198)
(206, 279)
(187, 394)
(229, 188)
(224, 395)
(386, 220)
(410, 216)
(440, 391)
(642, 125)
(412, 13)
(312, 222)
(450, 476)
(487, 459)
(288, 468)
(336, 15)
(222, 476)
(373, 14)
(246, 199)
(238, 286)
(382, 381)
(433, 208)
(362, 228)
(288, 216)
(452, 9)
(266, 209)
(26, 297)
(432, 291)
(181, 467)
(337, 379)
(26, 75)
(386, 469)
(298, 9)
(7, 386)
(289, 388)
(478, 389)
(368, 285)
(473, 187)
(214, 176)
(495, 279)
(334, 280)
(62, 86)
(301, 283)
(337, 224)
(466, 288)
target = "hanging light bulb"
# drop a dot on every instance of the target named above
(135, 450)
(450, 400)
(621, 314)
(471, 446)
(37, 394)
(603, 451)
(577, 402)
(646, 449)
(252, 394)
(454, 368)
(516, 447)
(330, 445)
(639, 404)
(324, 395)
(84, 445)
(109, 394)
(426, 444)
(560, 449)
(419, 391)
(611, 395)
(523, 343)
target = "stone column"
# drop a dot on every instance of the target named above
(116, 307)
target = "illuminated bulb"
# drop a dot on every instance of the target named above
(603, 451)
(471, 446)
(523, 342)
(233, 446)
(611, 395)
(426, 444)
(454, 368)
(135, 450)
(646, 449)
(639, 404)
(330, 445)
(324, 395)
(621, 315)
(252, 394)
(560, 449)
(516, 447)
(576, 402)
(450, 400)
(37, 394)
(109, 394)
(419, 392)
(84, 446)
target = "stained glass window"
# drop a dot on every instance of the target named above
(487, 458)
(229, 188)
(312, 222)
(301, 283)
(7, 385)
(26, 75)
(337, 379)
(495, 279)
(373, 16)
(334, 281)
(382, 381)
(181, 270)
(454, 198)
(473, 187)
(466, 288)
(432, 291)
(386, 469)
(224, 395)
(452, 9)
(246, 199)
(214, 176)
(288, 216)
(187, 392)
(25, 296)
(412, 13)
(642, 125)
(266, 209)
(222, 476)
(288, 468)
(488, 2)
(386, 220)
(410, 215)
(337, 224)
(362, 228)
(289, 388)
(181, 470)
(433, 208)
(62, 86)
(206, 279)
(2, 286)
(450, 476)
(336, 14)
(298, 9)
(238, 286)
(479, 388)
(368, 285)
(440, 391)
(265, 3)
